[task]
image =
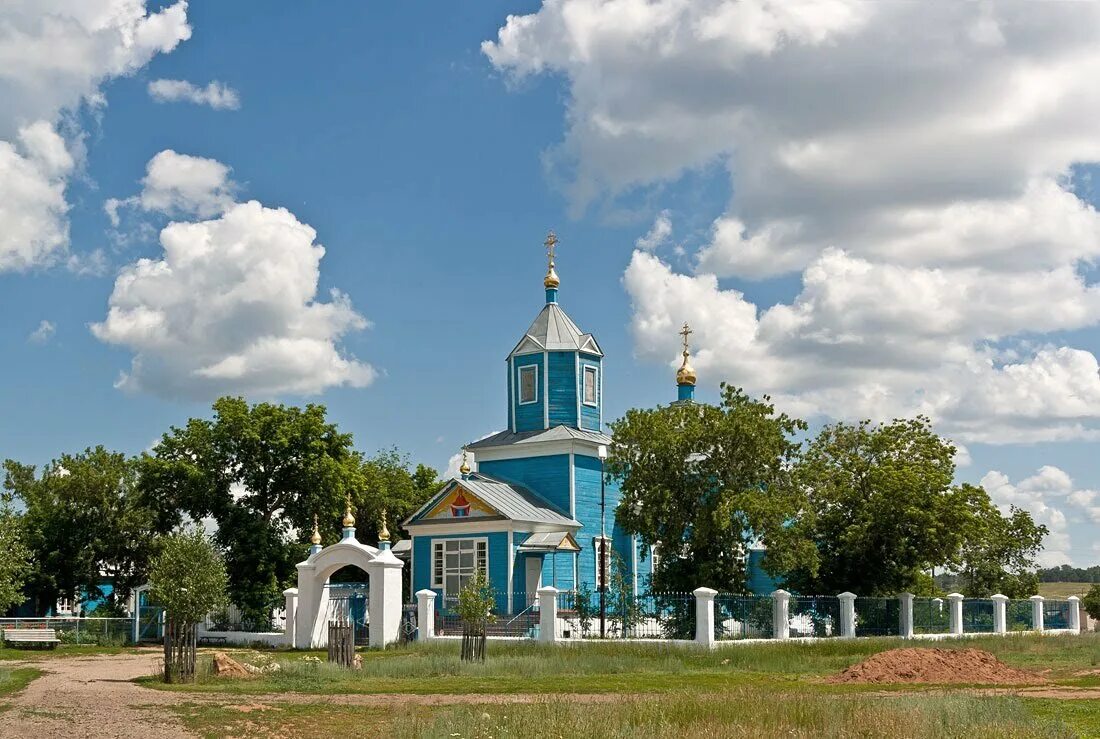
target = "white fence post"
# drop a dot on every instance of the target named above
(1036, 612)
(548, 614)
(704, 616)
(955, 602)
(1000, 613)
(847, 615)
(425, 615)
(905, 615)
(781, 620)
(1074, 614)
(291, 596)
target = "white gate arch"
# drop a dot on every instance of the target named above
(384, 602)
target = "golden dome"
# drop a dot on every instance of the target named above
(349, 520)
(686, 374)
(465, 468)
(384, 533)
(316, 538)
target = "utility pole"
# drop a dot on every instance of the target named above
(602, 452)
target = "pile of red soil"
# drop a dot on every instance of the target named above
(935, 666)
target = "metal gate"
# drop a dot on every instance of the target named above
(348, 603)
(150, 619)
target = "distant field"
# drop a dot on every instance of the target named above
(1063, 589)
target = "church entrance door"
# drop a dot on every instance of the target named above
(534, 577)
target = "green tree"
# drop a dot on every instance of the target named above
(188, 579)
(999, 551)
(389, 484)
(475, 608)
(261, 472)
(86, 520)
(14, 557)
(881, 507)
(705, 482)
(1091, 602)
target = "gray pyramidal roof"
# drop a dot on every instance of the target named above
(557, 433)
(554, 331)
(511, 500)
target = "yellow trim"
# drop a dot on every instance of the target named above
(574, 546)
(476, 503)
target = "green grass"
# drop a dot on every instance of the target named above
(747, 712)
(1063, 589)
(60, 652)
(12, 681)
(744, 712)
(624, 668)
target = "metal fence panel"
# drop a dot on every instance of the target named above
(743, 617)
(1018, 615)
(813, 615)
(878, 616)
(1055, 614)
(931, 616)
(977, 616)
(109, 632)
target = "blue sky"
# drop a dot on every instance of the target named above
(431, 168)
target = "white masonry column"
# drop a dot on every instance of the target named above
(955, 603)
(1000, 613)
(384, 573)
(905, 615)
(704, 616)
(291, 597)
(847, 615)
(425, 615)
(781, 620)
(1036, 612)
(1074, 614)
(548, 614)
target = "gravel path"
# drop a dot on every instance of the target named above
(92, 697)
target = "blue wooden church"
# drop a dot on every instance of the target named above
(531, 514)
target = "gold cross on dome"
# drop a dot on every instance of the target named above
(685, 332)
(550, 243)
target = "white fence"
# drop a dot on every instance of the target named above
(809, 618)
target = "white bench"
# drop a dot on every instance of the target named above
(36, 637)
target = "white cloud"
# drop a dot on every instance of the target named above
(180, 184)
(231, 308)
(658, 233)
(54, 56)
(217, 95)
(876, 341)
(910, 161)
(34, 228)
(1045, 495)
(43, 333)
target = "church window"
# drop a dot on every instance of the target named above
(528, 384)
(603, 549)
(590, 386)
(455, 561)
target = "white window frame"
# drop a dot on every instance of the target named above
(599, 543)
(519, 384)
(439, 561)
(595, 385)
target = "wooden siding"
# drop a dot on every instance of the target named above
(760, 582)
(546, 476)
(529, 416)
(563, 389)
(587, 491)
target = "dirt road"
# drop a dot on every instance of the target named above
(92, 697)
